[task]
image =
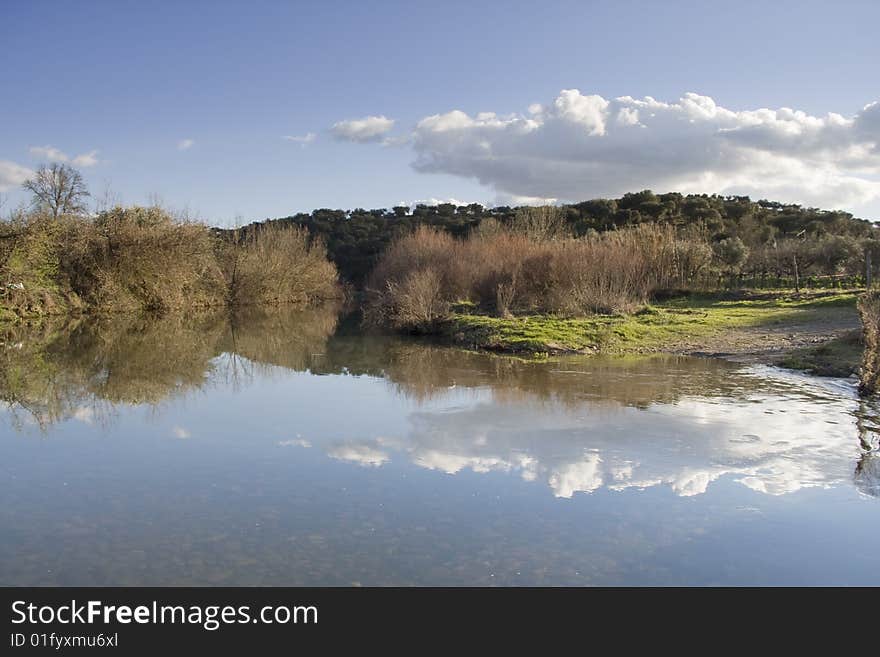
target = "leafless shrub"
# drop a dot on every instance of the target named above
(869, 312)
(541, 223)
(276, 265)
(414, 281)
(508, 271)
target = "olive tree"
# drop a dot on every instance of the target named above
(731, 252)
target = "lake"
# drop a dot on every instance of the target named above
(292, 448)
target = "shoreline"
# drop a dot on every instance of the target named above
(817, 332)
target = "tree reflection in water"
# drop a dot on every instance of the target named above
(867, 474)
(56, 371)
(88, 368)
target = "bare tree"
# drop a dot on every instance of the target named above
(543, 223)
(58, 188)
(108, 199)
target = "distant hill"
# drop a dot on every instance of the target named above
(758, 233)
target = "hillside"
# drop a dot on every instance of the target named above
(751, 239)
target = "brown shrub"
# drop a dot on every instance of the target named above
(495, 268)
(611, 272)
(145, 259)
(508, 271)
(140, 258)
(414, 281)
(419, 300)
(869, 312)
(276, 265)
(541, 223)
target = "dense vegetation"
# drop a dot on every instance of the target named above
(56, 257)
(869, 312)
(127, 259)
(486, 273)
(424, 275)
(753, 242)
(538, 263)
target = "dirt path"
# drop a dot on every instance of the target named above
(767, 344)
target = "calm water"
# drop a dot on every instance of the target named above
(289, 450)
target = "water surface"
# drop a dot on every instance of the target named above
(286, 449)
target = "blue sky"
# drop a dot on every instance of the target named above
(121, 85)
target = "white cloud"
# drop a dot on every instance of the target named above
(581, 146)
(578, 477)
(53, 154)
(362, 454)
(299, 441)
(48, 153)
(435, 201)
(775, 433)
(89, 159)
(12, 175)
(181, 433)
(302, 140)
(185, 144)
(503, 198)
(367, 129)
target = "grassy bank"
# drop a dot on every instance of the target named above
(533, 288)
(837, 357)
(773, 324)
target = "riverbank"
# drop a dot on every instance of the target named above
(144, 259)
(816, 331)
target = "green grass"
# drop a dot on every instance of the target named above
(839, 357)
(653, 328)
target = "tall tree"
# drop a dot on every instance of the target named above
(59, 189)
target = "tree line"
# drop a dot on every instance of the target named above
(764, 241)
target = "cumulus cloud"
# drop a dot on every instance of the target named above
(776, 433)
(12, 175)
(578, 477)
(580, 146)
(302, 140)
(435, 201)
(185, 144)
(53, 154)
(367, 129)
